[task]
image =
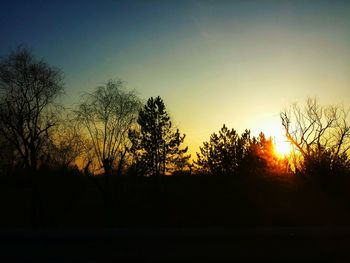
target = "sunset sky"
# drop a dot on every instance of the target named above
(213, 62)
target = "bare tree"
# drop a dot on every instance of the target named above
(65, 145)
(28, 91)
(107, 114)
(321, 135)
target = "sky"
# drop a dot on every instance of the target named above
(212, 62)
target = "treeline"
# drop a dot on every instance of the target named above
(111, 132)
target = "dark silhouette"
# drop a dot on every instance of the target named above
(7, 156)
(65, 145)
(106, 115)
(320, 136)
(28, 109)
(224, 152)
(156, 144)
(262, 157)
(227, 153)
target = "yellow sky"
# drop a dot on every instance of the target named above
(233, 62)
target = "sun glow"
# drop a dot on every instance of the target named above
(273, 128)
(282, 147)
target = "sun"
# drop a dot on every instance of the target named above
(272, 127)
(282, 147)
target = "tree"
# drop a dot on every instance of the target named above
(262, 156)
(29, 89)
(156, 144)
(66, 144)
(224, 153)
(228, 153)
(320, 136)
(107, 114)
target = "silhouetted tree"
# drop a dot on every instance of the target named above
(66, 144)
(156, 144)
(320, 136)
(228, 153)
(224, 153)
(28, 92)
(107, 114)
(262, 155)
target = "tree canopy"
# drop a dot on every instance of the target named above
(228, 153)
(156, 144)
(320, 136)
(29, 89)
(107, 114)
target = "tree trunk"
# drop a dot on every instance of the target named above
(107, 166)
(120, 164)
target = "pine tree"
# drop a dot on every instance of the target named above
(156, 144)
(224, 153)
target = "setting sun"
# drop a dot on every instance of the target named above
(282, 147)
(272, 127)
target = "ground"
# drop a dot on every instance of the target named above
(71, 218)
(295, 244)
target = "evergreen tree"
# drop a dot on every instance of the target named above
(156, 144)
(228, 153)
(224, 153)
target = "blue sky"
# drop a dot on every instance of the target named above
(213, 62)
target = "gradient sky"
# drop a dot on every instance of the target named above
(213, 62)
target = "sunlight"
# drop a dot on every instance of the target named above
(282, 147)
(272, 127)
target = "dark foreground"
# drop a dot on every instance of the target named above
(63, 202)
(281, 244)
(86, 219)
